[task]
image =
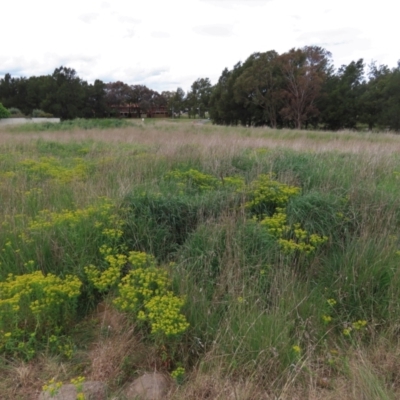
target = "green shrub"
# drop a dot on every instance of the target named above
(15, 112)
(4, 113)
(41, 114)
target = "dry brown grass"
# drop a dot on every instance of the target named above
(115, 348)
(369, 372)
(168, 136)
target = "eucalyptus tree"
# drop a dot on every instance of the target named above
(304, 72)
(260, 85)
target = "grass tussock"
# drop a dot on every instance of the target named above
(244, 263)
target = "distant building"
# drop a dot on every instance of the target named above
(133, 110)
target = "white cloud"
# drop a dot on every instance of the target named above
(160, 35)
(215, 30)
(169, 44)
(88, 17)
(231, 4)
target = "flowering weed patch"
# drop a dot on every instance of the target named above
(266, 194)
(268, 201)
(58, 241)
(194, 179)
(50, 167)
(33, 306)
(144, 292)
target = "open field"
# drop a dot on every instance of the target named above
(243, 263)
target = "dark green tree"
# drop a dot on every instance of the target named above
(198, 98)
(260, 85)
(177, 102)
(372, 98)
(390, 115)
(95, 105)
(225, 107)
(340, 105)
(65, 96)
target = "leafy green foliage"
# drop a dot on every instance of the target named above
(4, 113)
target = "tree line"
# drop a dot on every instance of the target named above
(301, 88)
(296, 89)
(65, 95)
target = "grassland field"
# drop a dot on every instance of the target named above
(242, 263)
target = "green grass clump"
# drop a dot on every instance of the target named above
(159, 222)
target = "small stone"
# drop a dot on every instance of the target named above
(150, 386)
(323, 383)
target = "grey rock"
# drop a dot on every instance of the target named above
(150, 386)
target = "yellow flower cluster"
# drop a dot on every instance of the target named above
(112, 233)
(331, 302)
(144, 291)
(276, 224)
(164, 315)
(302, 241)
(199, 180)
(140, 259)
(194, 178)
(8, 174)
(357, 325)
(104, 280)
(111, 276)
(139, 287)
(265, 191)
(78, 382)
(326, 319)
(48, 219)
(66, 350)
(346, 331)
(178, 374)
(52, 387)
(234, 181)
(296, 349)
(35, 299)
(50, 167)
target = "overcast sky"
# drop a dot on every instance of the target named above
(166, 44)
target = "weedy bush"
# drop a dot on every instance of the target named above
(33, 306)
(266, 194)
(58, 242)
(143, 292)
